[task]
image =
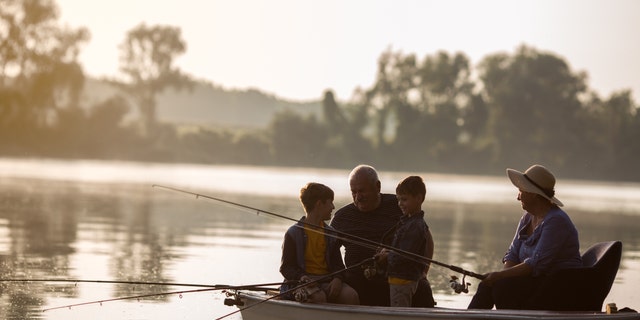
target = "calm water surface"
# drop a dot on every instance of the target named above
(104, 221)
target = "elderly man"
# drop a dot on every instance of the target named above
(370, 216)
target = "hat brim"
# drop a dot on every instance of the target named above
(518, 179)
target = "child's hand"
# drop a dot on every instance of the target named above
(305, 279)
(381, 257)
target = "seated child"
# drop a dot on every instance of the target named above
(309, 254)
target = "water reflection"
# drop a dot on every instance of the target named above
(52, 229)
(56, 230)
(283, 182)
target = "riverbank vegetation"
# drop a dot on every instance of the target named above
(436, 113)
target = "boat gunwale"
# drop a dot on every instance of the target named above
(432, 313)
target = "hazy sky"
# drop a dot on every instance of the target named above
(296, 49)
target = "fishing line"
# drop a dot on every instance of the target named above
(345, 236)
(219, 287)
(215, 286)
(324, 230)
(458, 285)
(297, 287)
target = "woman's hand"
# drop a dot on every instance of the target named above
(491, 277)
(518, 270)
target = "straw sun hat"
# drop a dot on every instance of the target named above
(537, 179)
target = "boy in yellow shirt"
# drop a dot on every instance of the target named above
(308, 253)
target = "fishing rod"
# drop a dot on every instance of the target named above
(214, 286)
(292, 290)
(345, 236)
(252, 287)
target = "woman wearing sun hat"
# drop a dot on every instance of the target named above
(545, 241)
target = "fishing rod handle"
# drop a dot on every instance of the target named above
(468, 273)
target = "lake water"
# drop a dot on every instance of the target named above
(94, 220)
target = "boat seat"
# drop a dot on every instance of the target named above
(584, 288)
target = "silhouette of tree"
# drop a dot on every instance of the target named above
(16, 121)
(297, 140)
(445, 91)
(39, 73)
(147, 58)
(416, 108)
(342, 134)
(251, 148)
(613, 127)
(38, 58)
(332, 113)
(533, 106)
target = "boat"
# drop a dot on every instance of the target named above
(259, 306)
(583, 288)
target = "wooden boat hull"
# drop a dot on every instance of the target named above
(285, 310)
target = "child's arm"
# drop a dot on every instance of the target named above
(289, 267)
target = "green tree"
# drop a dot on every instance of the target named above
(297, 140)
(95, 132)
(31, 39)
(147, 59)
(613, 131)
(39, 71)
(533, 102)
(251, 148)
(206, 146)
(390, 95)
(333, 116)
(445, 93)
(417, 108)
(16, 121)
(347, 125)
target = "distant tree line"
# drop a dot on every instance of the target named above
(436, 113)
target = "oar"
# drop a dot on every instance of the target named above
(340, 235)
(215, 286)
(296, 288)
(252, 287)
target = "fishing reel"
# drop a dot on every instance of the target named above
(233, 299)
(372, 270)
(304, 294)
(301, 295)
(459, 287)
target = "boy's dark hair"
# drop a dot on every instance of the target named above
(312, 192)
(412, 185)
